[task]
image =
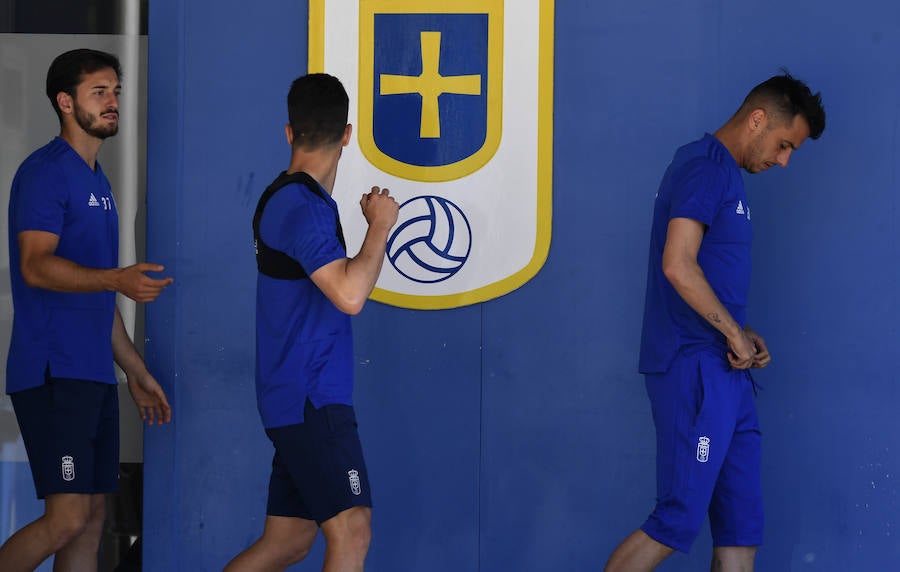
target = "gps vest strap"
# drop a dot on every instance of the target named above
(275, 263)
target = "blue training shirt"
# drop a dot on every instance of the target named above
(702, 183)
(55, 191)
(304, 344)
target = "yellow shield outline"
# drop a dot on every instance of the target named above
(365, 135)
(544, 183)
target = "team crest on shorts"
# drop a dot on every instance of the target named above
(703, 449)
(68, 468)
(355, 487)
(452, 106)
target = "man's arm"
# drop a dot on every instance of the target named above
(41, 268)
(347, 282)
(148, 395)
(681, 268)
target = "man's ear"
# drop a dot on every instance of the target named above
(758, 119)
(348, 131)
(65, 102)
(289, 134)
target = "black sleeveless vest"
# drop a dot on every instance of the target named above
(275, 263)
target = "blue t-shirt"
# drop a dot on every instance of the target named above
(702, 183)
(55, 191)
(304, 344)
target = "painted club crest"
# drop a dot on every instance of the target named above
(452, 105)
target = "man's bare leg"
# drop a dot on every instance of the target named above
(637, 553)
(80, 555)
(347, 537)
(733, 559)
(285, 541)
(66, 517)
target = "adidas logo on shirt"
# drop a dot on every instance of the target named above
(93, 202)
(738, 210)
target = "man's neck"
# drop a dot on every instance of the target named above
(730, 138)
(320, 164)
(87, 146)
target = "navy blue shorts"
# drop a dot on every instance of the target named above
(70, 428)
(708, 453)
(318, 468)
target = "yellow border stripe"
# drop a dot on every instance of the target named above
(316, 36)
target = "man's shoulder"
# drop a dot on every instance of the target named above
(51, 152)
(695, 169)
(304, 192)
(292, 191)
(42, 168)
(300, 185)
(704, 153)
(296, 200)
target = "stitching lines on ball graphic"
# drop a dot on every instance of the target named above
(433, 241)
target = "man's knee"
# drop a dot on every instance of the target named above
(351, 529)
(733, 558)
(70, 518)
(294, 550)
(64, 527)
(97, 518)
(287, 540)
(286, 554)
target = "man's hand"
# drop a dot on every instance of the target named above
(42, 268)
(149, 397)
(347, 282)
(761, 357)
(379, 208)
(742, 350)
(748, 349)
(134, 283)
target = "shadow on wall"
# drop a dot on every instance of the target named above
(9, 429)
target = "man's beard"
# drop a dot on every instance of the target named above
(756, 153)
(86, 121)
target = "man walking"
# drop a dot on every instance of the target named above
(306, 290)
(63, 253)
(696, 347)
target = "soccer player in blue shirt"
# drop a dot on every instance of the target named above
(696, 346)
(307, 288)
(63, 258)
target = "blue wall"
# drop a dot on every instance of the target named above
(515, 434)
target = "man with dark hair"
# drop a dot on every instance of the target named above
(696, 347)
(306, 290)
(63, 259)
(66, 72)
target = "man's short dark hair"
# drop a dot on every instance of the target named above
(785, 97)
(317, 110)
(68, 70)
